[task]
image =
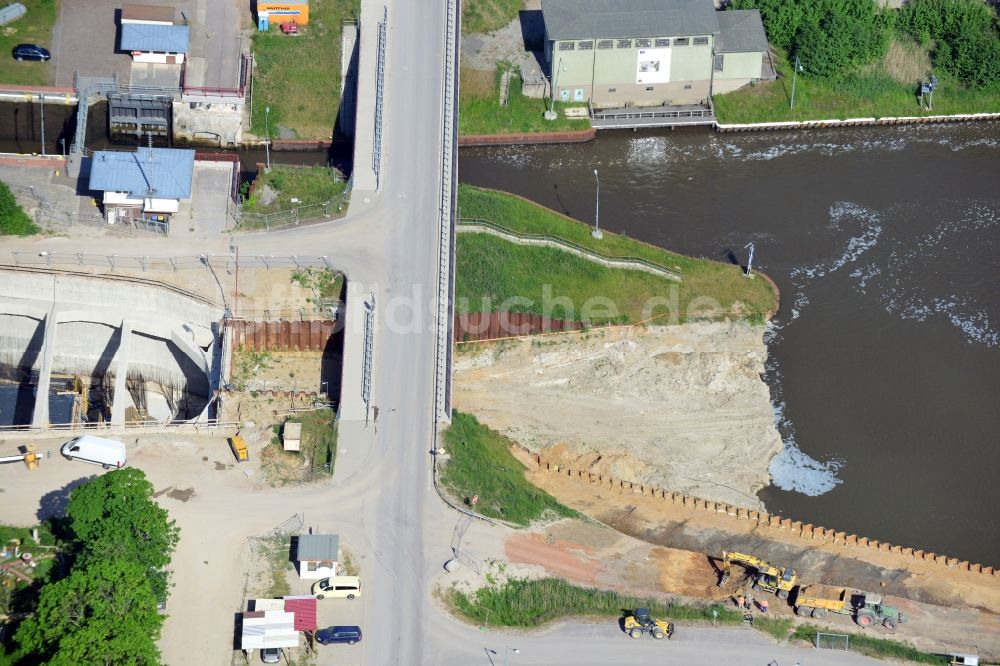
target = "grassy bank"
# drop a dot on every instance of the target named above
(529, 603)
(480, 463)
(875, 647)
(488, 15)
(299, 77)
(35, 27)
(490, 267)
(479, 110)
(885, 88)
(14, 221)
(310, 185)
(318, 448)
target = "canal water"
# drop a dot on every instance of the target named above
(885, 354)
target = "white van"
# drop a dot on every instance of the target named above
(337, 586)
(95, 450)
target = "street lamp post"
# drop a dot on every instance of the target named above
(597, 233)
(267, 137)
(506, 655)
(551, 113)
(750, 246)
(795, 74)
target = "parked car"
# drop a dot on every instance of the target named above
(31, 52)
(270, 655)
(349, 635)
(290, 29)
(337, 586)
(96, 451)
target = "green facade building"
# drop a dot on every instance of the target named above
(617, 53)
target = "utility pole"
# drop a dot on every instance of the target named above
(797, 67)
(551, 113)
(267, 137)
(597, 233)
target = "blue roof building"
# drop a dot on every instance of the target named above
(148, 180)
(144, 40)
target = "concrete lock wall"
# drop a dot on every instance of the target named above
(796, 528)
(215, 123)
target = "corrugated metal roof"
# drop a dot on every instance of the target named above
(317, 547)
(150, 37)
(741, 31)
(159, 173)
(587, 19)
(304, 608)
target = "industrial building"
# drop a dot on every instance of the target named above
(650, 53)
(154, 42)
(147, 184)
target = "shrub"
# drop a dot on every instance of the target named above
(13, 220)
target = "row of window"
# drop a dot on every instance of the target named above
(588, 44)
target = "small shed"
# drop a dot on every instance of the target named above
(292, 436)
(147, 14)
(316, 555)
(156, 43)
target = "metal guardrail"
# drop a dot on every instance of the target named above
(366, 366)
(633, 263)
(147, 263)
(379, 90)
(209, 426)
(294, 216)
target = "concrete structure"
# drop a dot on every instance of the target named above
(147, 15)
(278, 11)
(291, 436)
(155, 43)
(616, 53)
(208, 119)
(316, 555)
(147, 184)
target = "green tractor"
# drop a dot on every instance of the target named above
(870, 611)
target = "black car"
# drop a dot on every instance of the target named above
(349, 635)
(31, 52)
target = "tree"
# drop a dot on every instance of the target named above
(965, 37)
(103, 613)
(115, 516)
(13, 220)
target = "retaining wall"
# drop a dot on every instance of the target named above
(495, 325)
(283, 335)
(806, 531)
(580, 136)
(854, 122)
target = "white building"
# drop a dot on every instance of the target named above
(155, 42)
(316, 555)
(147, 184)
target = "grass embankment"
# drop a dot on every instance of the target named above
(885, 88)
(13, 220)
(875, 647)
(299, 77)
(35, 27)
(479, 110)
(310, 185)
(488, 15)
(480, 463)
(491, 268)
(529, 603)
(317, 448)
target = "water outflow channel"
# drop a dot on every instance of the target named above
(885, 355)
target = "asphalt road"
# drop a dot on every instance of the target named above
(389, 244)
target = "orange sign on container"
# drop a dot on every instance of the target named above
(285, 12)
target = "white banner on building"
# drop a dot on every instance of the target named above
(653, 66)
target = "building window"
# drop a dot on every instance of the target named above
(605, 43)
(567, 46)
(643, 43)
(687, 86)
(700, 41)
(720, 62)
(587, 45)
(624, 43)
(648, 88)
(611, 90)
(682, 41)
(662, 42)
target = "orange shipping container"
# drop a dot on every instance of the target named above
(285, 12)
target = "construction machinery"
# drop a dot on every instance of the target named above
(866, 608)
(641, 622)
(766, 576)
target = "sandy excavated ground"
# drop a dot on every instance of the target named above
(678, 407)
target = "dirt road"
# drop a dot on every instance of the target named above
(680, 407)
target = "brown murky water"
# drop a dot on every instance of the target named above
(885, 242)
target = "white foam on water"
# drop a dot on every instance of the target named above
(798, 472)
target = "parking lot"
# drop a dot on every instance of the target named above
(217, 505)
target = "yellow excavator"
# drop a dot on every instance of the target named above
(766, 576)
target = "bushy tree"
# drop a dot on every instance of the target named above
(13, 220)
(965, 37)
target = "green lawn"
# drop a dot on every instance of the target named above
(879, 648)
(488, 266)
(310, 185)
(479, 110)
(35, 27)
(875, 91)
(299, 77)
(488, 15)
(480, 463)
(319, 436)
(529, 603)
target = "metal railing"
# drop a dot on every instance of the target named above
(366, 366)
(210, 427)
(627, 262)
(146, 263)
(379, 90)
(283, 219)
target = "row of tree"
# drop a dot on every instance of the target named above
(105, 610)
(832, 38)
